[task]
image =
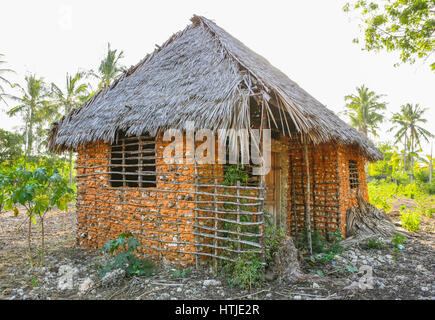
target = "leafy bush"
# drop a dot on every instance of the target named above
(38, 191)
(123, 250)
(273, 237)
(373, 243)
(34, 162)
(430, 188)
(410, 220)
(426, 206)
(324, 250)
(381, 193)
(247, 272)
(181, 273)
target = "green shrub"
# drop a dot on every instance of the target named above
(430, 187)
(373, 243)
(272, 240)
(380, 194)
(426, 206)
(410, 220)
(123, 249)
(248, 271)
(324, 250)
(181, 273)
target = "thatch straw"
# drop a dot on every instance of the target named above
(205, 75)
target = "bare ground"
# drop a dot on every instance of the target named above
(410, 276)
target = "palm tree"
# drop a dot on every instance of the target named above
(3, 80)
(406, 123)
(110, 68)
(363, 110)
(400, 124)
(77, 92)
(35, 108)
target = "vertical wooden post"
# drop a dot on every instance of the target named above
(307, 197)
(239, 229)
(196, 215)
(262, 185)
(314, 193)
(261, 218)
(293, 197)
(215, 242)
(140, 161)
(123, 163)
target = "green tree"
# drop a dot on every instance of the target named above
(406, 123)
(38, 192)
(405, 26)
(10, 145)
(76, 93)
(363, 109)
(110, 68)
(35, 108)
(3, 80)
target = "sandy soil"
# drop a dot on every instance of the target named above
(410, 276)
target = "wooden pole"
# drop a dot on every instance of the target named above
(215, 244)
(196, 216)
(239, 228)
(261, 220)
(307, 197)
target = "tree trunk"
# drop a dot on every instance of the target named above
(29, 233)
(404, 154)
(42, 241)
(30, 135)
(307, 198)
(412, 158)
(430, 163)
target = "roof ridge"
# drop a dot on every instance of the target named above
(206, 22)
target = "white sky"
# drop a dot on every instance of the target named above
(310, 41)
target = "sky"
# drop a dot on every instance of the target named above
(310, 41)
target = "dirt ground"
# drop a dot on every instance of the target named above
(72, 273)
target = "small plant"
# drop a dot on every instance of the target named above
(39, 192)
(181, 273)
(426, 207)
(324, 250)
(373, 243)
(397, 241)
(234, 173)
(410, 220)
(123, 250)
(248, 272)
(272, 240)
(35, 282)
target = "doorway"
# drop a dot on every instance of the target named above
(274, 190)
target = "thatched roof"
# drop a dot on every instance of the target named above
(205, 75)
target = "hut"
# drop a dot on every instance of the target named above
(185, 211)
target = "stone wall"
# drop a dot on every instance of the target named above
(163, 218)
(348, 196)
(331, 194)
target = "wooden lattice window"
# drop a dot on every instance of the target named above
(133, 162)
(353, 174)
